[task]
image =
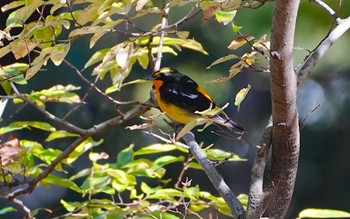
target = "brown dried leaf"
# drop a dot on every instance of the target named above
(141, 126)
(9, 151)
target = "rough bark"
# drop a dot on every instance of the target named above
(285, 130)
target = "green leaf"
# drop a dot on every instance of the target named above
(225, 17)
(236, 28)
(96, 57)
(167, 194)
(82, 147)
(60, 134)
(59, 52)
(125, 156)
(323, 213)
(195, 165)
(59, 181)
(6, 210)
(58, 93)
(139, 167)
(71, 206)
(147, 189)
(165, 160)
(218, 154)
(159, 148)
(27, 124)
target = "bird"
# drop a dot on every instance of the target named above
(182, 99)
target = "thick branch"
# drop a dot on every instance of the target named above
(285, 129)
(215, 178)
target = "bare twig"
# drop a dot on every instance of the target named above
(161, 40)
(322, 48)
(328, 9)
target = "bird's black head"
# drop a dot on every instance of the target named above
(167, 74)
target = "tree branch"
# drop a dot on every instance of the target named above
(322, 48)
(256, 194)
(215, 178)
(87, 133)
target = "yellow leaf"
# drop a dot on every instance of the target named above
(239, 41)
(249, 58)
(20, 48)
(223, 59)
(240, 96)
(59, 52)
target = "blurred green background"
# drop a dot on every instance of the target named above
(323, 175)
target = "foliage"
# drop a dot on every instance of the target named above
(124, 185)
(40, 34)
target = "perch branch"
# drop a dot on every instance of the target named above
(215, 178)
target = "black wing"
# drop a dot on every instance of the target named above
(184, 94)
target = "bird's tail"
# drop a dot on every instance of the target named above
(224, 120)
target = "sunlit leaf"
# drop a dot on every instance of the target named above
(27, 124)
(25, 12)
(12, 5)
(96, 57)
(58, 93)
(85, 30)
(236, 28)
(4, 50)
(20, 48)
(223, 59)
(225, 17)
(38, 62)
(60, 134)
(71, 206)
(6, 210)
(59, 52)
(59, 181)
(240, 96)
(183, 34)
(323, 213)
(159, 148)
(218, 154)
(168, 159)
(82, 147)
(239, 41)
